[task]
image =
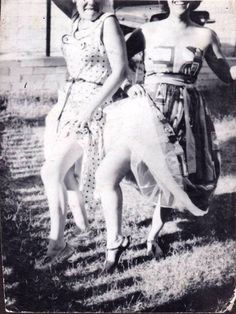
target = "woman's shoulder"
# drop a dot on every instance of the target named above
(207, 34)
(110, 21)
(108, 16)
(204, 35)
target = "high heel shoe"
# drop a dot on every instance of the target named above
(110, 266)
(58, 257)
(154, 250)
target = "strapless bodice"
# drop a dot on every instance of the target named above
(186, 62)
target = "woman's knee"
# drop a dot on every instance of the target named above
(105, 180)
(112, 170)
(50, 172)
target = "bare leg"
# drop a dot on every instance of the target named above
(109, 175)
(157, 223)
(153, 248)
(75, 201)
(53, 175)
(74, 197)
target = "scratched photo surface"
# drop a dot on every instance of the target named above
(196, 272)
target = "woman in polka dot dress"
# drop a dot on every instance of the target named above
(96, 59)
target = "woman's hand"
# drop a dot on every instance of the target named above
(136, 91)
(233, 72)
(84, 119)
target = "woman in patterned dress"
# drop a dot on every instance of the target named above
(173, 52)
(96, 61)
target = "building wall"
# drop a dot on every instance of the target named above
(34, 76)
(23, 28)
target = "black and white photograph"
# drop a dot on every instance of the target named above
(118, 156)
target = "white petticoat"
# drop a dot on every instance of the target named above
(134, 122)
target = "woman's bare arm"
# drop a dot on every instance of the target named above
(66, 6)
(135, 43)
(114, 42)
(216, 60)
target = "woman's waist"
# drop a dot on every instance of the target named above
(81, 81)
(176, 79)
(91, 73)
(78, 94)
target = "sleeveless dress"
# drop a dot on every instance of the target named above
(171, 86)
(171, 123)
(88, 68)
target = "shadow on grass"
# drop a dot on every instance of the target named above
(35, 297)
(228, 157)
(52, 296)
(85, 293)
(114, 305)
(28, 181)
(203, 300)
(218, 224)
(89, 259)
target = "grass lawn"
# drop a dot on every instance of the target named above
(197, 274)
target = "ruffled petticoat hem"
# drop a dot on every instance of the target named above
(135, 123)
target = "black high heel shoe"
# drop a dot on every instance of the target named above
(109, 267)
(154, 250)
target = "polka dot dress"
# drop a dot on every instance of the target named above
(88, 67)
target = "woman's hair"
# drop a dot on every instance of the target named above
(193, 5)
(108, 5)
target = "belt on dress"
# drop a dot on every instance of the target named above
(170, 78)
(74, 80)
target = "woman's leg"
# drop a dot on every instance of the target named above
(75, 200)
(108, 177)
(53, 175)
(153, 248)
(71, 186)
(157, 223)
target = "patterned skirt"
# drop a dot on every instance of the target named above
(186, 111)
